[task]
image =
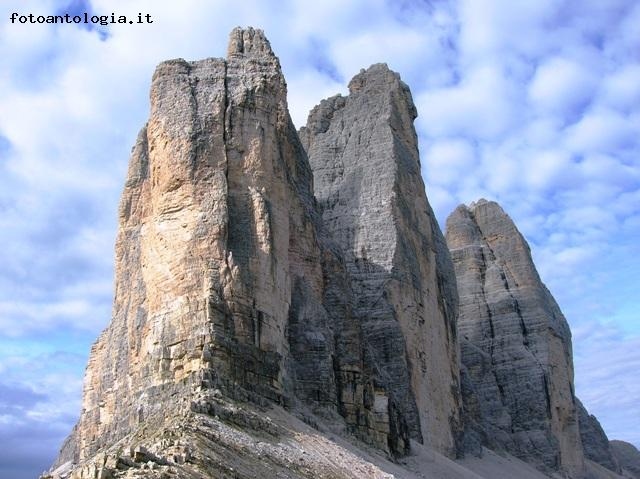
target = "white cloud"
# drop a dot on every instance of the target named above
(621, 89)
(299, 84)
(603, 131)
(401, 47)
(603, 168)
(493, 28)
(561, 86)
(18, 318)
(482, 106)
(440, 199)
(534, 104)
(548, 169)
(39, 396)
(447, 160)
(543, 131)
(623, 42)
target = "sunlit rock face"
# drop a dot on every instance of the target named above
(231, 288)
(216, 235)
(286, 304)
(515, 343)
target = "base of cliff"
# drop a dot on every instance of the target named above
(215, 438)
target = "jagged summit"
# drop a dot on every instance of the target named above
(285, 303)
(363, 151)
(232, 295)
(206, 252)
(485, 222)
(516, 350)
(379, 77)
(515, 343)
(249, 42)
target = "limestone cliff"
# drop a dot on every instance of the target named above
(363, 152)
(230, 290)
(285, 303)
(216, 249)
(515, 343)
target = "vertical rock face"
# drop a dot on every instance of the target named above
(594, 440)
(515, 343)
(228, 285)
(363, 153)
(216, 249)
(250, 272)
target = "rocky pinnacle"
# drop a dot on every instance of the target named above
(215, 233)
(286, 305)
(363, 152)
(515, 343)
(229, 287)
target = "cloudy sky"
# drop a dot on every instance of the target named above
(536, 106)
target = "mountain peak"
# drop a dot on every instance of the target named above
(512, 333)
(267, 281)
(249, 42)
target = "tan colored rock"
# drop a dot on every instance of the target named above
(238, 294)
(216, 228)
(225, 282)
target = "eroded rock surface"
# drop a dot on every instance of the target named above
(216, 250)
(363, 152)
(515, 343)
(259, 284)
(228, 285)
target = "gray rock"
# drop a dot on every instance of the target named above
(363, 152)
(628, 458)
(594, 440)
(515, 344)
(69, 453)
(230, 288)
(218, 259)
(259, 269)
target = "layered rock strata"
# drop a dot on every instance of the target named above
(363, 152)
(258, 268)
(231, 289)
(515, 344)
(216, 249)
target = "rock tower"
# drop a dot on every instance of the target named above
(363, 151)
(287, 306)
(233, 287)
(515, 342)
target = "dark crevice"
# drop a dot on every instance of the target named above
(545, 383)
(483, 277)
(523, 326)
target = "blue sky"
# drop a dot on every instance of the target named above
(536, 106)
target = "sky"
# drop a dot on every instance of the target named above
(534, 104)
